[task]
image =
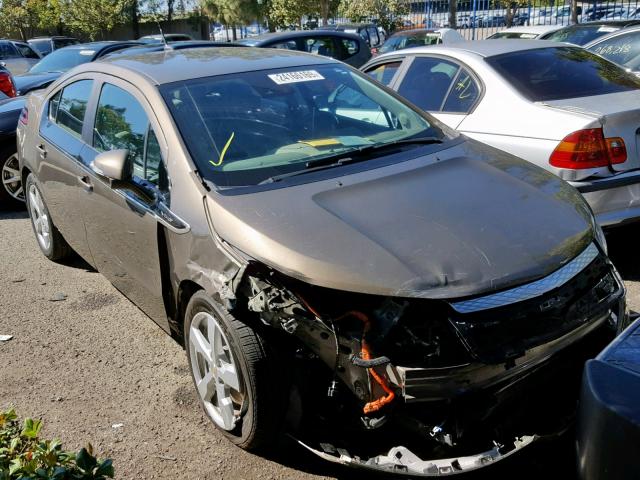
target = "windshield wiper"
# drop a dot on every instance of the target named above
(351, 156)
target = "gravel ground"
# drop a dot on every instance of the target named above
(96, 369)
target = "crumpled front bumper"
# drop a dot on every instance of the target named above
(402, 461)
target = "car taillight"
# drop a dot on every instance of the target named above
(6, 84)
(24, 116)
(588, 149)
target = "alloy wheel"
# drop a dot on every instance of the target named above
(11, 180)
(40, 218)
(215, 371)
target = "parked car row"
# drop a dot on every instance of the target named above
(411, 254)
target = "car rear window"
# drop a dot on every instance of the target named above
(580, 34)
(561, 72)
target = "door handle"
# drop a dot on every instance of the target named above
(85, 181)
(42, 150)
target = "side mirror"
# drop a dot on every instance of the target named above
(111, 164)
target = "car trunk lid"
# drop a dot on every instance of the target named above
(619, 116)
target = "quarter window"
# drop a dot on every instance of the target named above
(68, 107)
(8, 51)
(122, 123)
(463, 94)
(427, 82)
(384, 73)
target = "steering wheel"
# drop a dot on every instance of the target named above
(269, 133)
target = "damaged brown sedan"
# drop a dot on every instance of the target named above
(337, 264)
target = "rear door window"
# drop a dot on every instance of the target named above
(559, 73)
(26, 51)
(427, 82)
(288, 45)
(384, 73)
(349, 47)
(68, 107)
(373, 35)
(321, 46)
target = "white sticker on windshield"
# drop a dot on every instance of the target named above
(87, 52)
(528, 35)
(607, 29)
(295, 77)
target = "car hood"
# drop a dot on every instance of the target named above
(467, 220)
(33, 81)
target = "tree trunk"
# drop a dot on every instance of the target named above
(170, 4)
(234, 33)
(135, 21)
(574, 11)
(324, 11)
(453, 13)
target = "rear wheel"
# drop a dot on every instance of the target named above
(238, 384)
(11, 190)
(50, 241)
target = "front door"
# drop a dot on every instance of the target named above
(122, 230)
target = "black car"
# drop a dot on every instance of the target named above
(368, 31)
(349, 48)
(609, 416)
(40, 76)
(45, 45)
(583, 33)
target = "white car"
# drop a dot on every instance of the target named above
(555, 105)
(525, 32)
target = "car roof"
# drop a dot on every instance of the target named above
(483, 48)
(617, 33)
(181, 45)
(99, 45)
(599, 23)
(540, 29)
(169, 66)
(413, 31)
(297, 33)
(53, 37)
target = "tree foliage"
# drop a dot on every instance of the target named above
(386, 11)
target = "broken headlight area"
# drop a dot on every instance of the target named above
(442, 379)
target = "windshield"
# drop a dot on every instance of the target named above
(63, 60)
(580, 34)
(43, 47)
(250, 42)
(622, 49)
(413, 40)
(560, 73)
(242, 129)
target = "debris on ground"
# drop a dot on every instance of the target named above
(5, 338)
(58, 297)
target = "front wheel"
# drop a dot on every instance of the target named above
(238, 384)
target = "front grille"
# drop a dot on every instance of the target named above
(495, 335)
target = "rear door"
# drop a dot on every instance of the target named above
(60, 143)
(121, 224)
(440, 86)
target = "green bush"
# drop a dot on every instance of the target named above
(24, 456)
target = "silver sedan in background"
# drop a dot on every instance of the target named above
(558, 106)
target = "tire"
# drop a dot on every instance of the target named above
(11, 191)
(259, 403)
(50, 240)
